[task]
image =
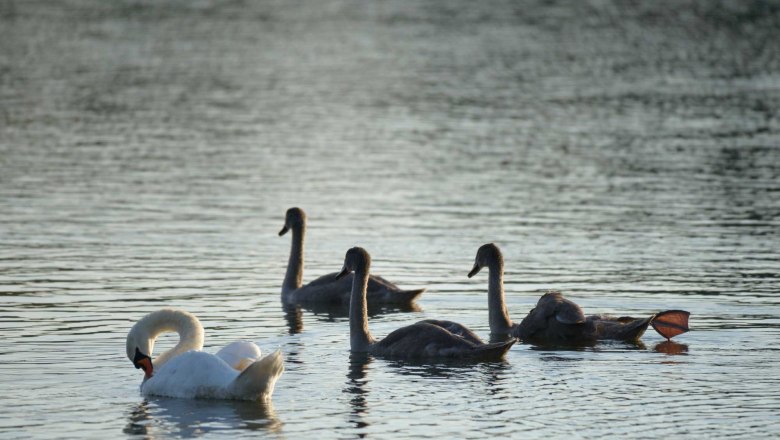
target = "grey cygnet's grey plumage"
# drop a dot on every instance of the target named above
(555, 320)
(428, 339)
(328, 289)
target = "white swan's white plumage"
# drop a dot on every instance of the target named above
(239, 354)
(196, 374)
(185, 371)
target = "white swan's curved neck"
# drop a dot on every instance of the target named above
(293, 279)
(359, 336)
(145, 332)
(498, 315)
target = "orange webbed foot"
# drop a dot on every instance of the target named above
(671, 323)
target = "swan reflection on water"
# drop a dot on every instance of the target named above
(448, 369)
(491, 378)
(671, 348)
(594, 346)
(195, 417)
(440, 369)
(666, 347)
(355, 385)
(293, 313)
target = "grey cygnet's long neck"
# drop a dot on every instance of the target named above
(499, 317)
(359, 337)
(293, 279)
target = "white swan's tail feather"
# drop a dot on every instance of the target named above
(257, 381)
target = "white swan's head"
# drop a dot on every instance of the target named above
(356, 258)
(139, 347)
(294, 219)
(487, 254)
(141, 338)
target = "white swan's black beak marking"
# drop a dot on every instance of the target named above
(474, 270)
(143, 362)
(344, 272)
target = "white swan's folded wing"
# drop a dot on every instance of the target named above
(257, 380)
(239, 354)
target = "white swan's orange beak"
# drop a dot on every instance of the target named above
(146, 365)
(143, 362)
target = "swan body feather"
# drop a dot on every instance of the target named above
(328, 289)
(235, 372)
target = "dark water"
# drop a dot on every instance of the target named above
(625, 153)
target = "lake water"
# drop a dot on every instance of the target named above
(626, 154)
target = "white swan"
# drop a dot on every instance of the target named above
(185, 371)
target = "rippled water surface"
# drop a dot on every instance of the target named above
(625, 153)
